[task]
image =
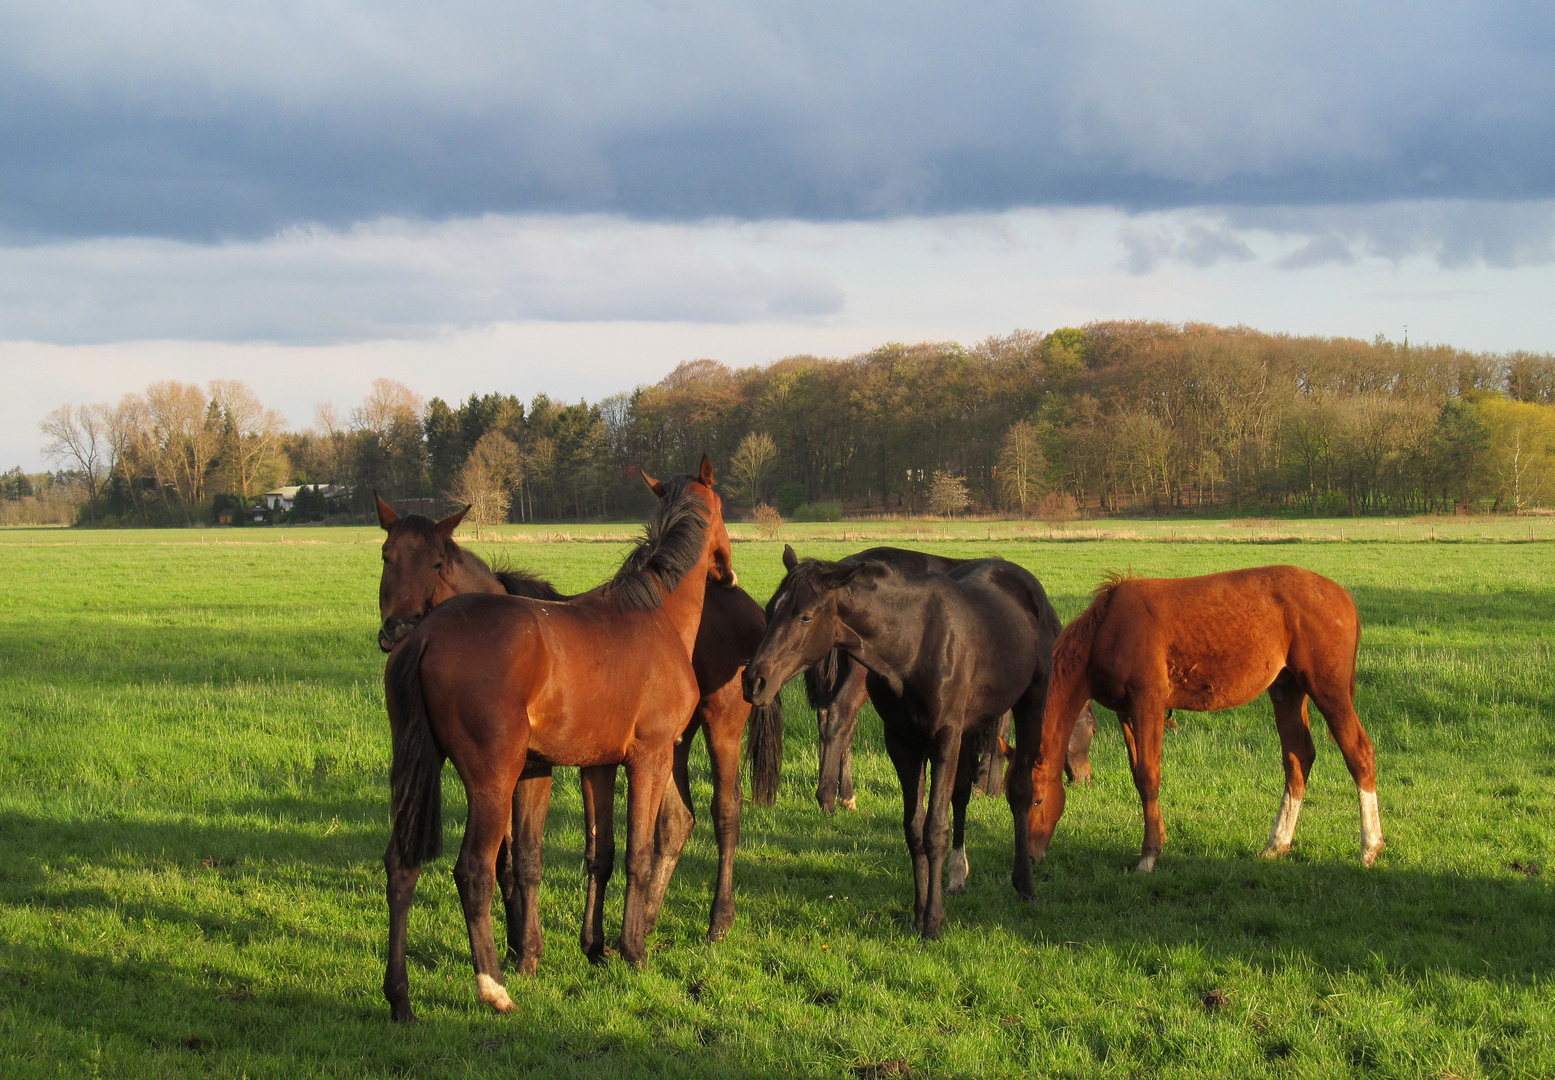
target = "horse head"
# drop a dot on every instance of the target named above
(719, 553)
(802, 625)
(417, 557)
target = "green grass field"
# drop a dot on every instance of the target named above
(193, 786)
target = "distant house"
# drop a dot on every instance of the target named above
(283, 498)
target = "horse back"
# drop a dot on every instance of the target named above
(1219, 640)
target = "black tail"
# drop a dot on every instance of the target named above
(416, 775)
(764, 750)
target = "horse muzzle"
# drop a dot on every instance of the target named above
(393, 631)
(756, 688)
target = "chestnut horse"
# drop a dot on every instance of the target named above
(423, 566)
(1146, 646)
(947, 655)
(605, 679)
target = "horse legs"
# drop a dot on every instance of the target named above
(851, 697)
(1338, 708)
(1290, 716)
(724, 727)
(1144, 723)
(908, 757)
(946, 758)
(475, 874)
(521, 882)
(673, 828)
(968, 769)
(599, 853)
(646, 778)
(401, 880)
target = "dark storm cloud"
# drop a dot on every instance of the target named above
(176, 120)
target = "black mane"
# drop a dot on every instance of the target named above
(671, 546)
(523, 583)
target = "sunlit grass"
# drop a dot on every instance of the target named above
(193, 765)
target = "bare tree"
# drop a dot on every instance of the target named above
(948, 493)
(749, 465)
(251, 456)
(487, 478)
(183, 444)
(76, 436)
(129, 438)
(1022, 466)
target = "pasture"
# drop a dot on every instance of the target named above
(193, 806)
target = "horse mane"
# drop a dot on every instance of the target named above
(671, 546)
(1111, 580)
(522, 583)
(820, 681)
(1072, 650)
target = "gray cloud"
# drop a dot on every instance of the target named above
(220, 121)
(393, 279)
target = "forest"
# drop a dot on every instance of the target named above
(1106, 419)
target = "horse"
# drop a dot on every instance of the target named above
(604, 679)
(947, 655)
(423, 565)
(1146, 646)
(836, 690)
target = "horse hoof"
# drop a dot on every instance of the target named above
(1146, 864)
(600, 955)
(848, 804)
(1274, 851)
(402, 1013)
(1370, 856)
(956, 890)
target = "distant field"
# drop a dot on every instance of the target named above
(193, 779)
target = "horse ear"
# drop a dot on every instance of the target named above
(446, 527)
(790, 560)
(655, 486)
(386, 515)
(1006, 749)
(705, 474)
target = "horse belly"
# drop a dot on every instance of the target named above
(1221, 682)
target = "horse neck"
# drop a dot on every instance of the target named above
(865, 618)
(468, 573)
(683, 606)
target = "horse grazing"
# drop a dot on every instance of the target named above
(947, 654)
(604, 679)
(1146, 646)
(836, 689)
(422, 566)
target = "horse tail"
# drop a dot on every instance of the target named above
(820, 681)
(416, 775)
(764, 750)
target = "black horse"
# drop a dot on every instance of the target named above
(947, 655)
(836, 689)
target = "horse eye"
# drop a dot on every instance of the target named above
(437, 566)
(806, 618)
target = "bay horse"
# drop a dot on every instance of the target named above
(423, 566)
(947, 654)
(836, 689)
(604, 679)
(1146, 646)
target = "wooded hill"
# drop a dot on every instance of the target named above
(1119, 416)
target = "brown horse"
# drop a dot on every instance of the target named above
(422, 566)
(1146, 646)
(605, 679)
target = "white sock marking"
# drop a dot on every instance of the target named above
(1284, 825)
(493, 993)
(959, 868)
(1371, 827)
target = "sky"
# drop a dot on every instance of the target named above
(475, 196)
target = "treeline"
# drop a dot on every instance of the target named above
(1114, 417)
